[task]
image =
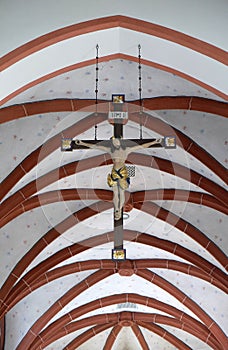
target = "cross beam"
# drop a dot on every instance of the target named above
(167, 142)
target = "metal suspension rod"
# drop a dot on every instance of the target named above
(96, 90)
(140, 87)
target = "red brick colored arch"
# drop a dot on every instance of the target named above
(154, 103)
(49, 237)
(82, 338)
(28, 284)
(135, 319)
(43, 151)
(128, 235)
(186, 228)
(2, 330)
(180, 171)
(108, 318)
(170, 338)
(9, 212)
(111, 337)
(159, 126)
(178, 195)
(58, 305)
(172, 219)
(140, 337)
(112, 22)
(54, 197)
(23, 288)
(190, 103)
(16, 203)
(111, 57)
(198, 331)
(183, 141)
(150, 208)
(104, 322)
(104, 238)
(188, 302)
(65, 325)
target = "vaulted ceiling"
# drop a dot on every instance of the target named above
(60, 287)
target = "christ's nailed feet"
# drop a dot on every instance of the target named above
(117, 214)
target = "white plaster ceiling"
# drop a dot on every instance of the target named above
(20, 137)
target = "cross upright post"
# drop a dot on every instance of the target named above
(118, 224)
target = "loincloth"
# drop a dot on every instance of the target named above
(119, 178)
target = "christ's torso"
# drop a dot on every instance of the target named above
(119, 157)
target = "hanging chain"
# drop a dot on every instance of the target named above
(140, 88)
(96, 92)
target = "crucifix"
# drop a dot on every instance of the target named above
(119, 149)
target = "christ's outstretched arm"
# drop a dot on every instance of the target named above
(145, 145)
(100, 147)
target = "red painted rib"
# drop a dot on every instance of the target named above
(82, 338)
(112, 337)
(112, 22)
(189, 303)
(140, 337)
(47, 316)
(76, 248)
(154, 103)
(23, 287)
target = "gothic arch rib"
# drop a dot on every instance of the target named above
(112, 337)
(152, 123)
(29, 109)
(117, 321)
(134, 25)
(163, 214)
(56, 328)
(25, 287)
(22, 197)
(77, 248)
(112, 21)
(28, 283)
(93, 331)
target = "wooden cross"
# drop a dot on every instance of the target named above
(118, 119)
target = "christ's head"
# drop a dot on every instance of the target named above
(117, 143)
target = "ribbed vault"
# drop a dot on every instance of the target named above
(60, 289)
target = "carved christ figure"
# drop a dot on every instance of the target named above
(118, 178)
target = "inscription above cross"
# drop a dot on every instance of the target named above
(118, 179)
